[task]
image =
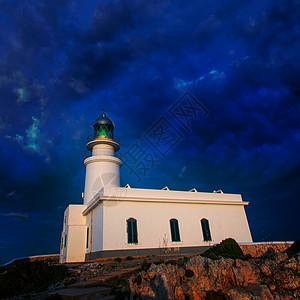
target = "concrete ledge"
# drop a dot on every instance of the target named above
(145, 251)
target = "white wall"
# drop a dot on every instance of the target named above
(153, 224)
(75, 217)
(103, 149)
(76, 244)
(75, 228)
(97, 228)
(101, 170)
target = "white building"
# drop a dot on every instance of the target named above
(116, 221)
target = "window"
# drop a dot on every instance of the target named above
(174, 230)
(87, 237)
(132, 231)
(205, 230)
(65, 243)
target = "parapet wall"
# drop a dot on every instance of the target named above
(258, 249)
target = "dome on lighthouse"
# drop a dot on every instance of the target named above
(104, 127)
(104, 119)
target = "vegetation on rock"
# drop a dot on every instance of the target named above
(118, 259)
(228, 248)
(293, 249)
(145, 265)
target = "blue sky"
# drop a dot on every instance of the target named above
(63, 61)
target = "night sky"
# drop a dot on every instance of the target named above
(217, 81)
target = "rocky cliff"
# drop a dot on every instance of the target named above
(271, 276)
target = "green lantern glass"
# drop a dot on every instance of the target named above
(103, 131)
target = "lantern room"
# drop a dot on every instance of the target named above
(104, 128)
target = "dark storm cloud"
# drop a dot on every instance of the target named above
(38, 32)
(126, 37)
(18, 216)
(33, 46)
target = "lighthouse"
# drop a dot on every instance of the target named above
(103, 166)
(116, 221)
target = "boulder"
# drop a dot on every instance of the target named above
(267, 267)
(245, 273)
(238, 293)
(287, 280)
(280, 257)
(293, 263)
(159, 282)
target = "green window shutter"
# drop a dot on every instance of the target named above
(132, 231)
(174, 230)
(87, 237)
(177, 231)
(129, 232)
(205, 230)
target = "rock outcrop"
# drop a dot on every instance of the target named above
(271, 276)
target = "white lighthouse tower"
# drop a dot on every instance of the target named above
(103, 167)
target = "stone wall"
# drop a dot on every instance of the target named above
(258, 249)
(48, 258)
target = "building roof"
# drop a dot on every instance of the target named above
(162, 196)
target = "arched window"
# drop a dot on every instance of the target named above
(132, 231)
(205, 230)
(174, 230)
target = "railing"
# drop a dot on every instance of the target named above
(115, 138)
(89, 154)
